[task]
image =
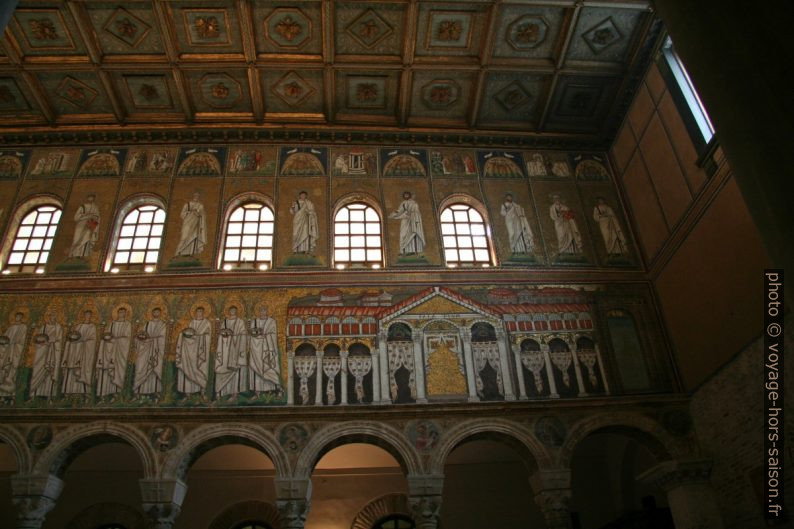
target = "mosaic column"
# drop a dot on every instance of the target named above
(375, 377)
(544, 348)
(577, 368)
(690, 496)
(162, 501)
(34, 497)
(419, 366)
(385, 395)
(318, 392)
(465, 339)
(290, 378)
(343, 379)
(507, 378)
(522, 386)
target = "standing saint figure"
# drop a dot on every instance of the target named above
(86, 231)
(12, 345)
(150, 348)
(231, 371)
(569, 240)
(518, 230)
(47, 357)
(613, 236)
(192, 350)
(412, 235)
(304, 225)
(263, 361)
(194, 228)
(114, 353)
(78, 357)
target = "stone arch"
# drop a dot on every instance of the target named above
(529, 447)
(379, 508)
(100, 514)
(645, 430)
(207, 437)
(335, 435)
(247, 511)
(19, 446)
(70, 443)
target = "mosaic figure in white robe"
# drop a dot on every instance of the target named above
(412, 233)
(192, 352)
(569, 240)
(150, 349)
(86, 228)
(263, 346)
(518, 230)
(114, 354)
(614, 240)
(193, 237)
(304, 225)
(78, 357)
(231, 369)
(47, 342)
(12, 345)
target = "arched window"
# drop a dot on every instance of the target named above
(33, 239)
(357, 236)
(138, 239)
(248, 242)
(394, 521)
(252, 525)
(465, 236)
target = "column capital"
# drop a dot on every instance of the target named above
(555, 504)
(425, 510)
(293, 512)
(668, 475)
(162, 500)
(34, 496)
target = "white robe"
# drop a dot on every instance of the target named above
(518, 230)
(263, 361)
(194, 229)
(191, 358)
(78, 361)
(231, 372)
(304, 226)
(112, 359)
(46, 361)
(610, 230)
(10, 355)
(412, 234)
(569, 240)
(84, 237)
(149, 359)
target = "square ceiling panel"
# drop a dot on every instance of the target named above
(443, 30)
(76, 92)
(512, 99)
(12, 97)
(604, 34)
(527, 32)
(148, 92)
(369, 29)
(131, 29)
(46, 31)
(293, 91)
(289, 28)
(207, 28)
(367, 92)
(581, 102)
(441, 95)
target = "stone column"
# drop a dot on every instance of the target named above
(290, 378)
(601, 368)
(507, 378)
(385, 394)
(577, 368)
(522, 386)
(465, 338)
(689, 493)
(544, 348)
(424, 500)
(162, 501)
(293, 499)
(318, 391)
(375, 378)
(343, 376)
(419, 366)
(552, 490)
(34, 497)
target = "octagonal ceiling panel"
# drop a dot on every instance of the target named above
(604, 35)
(289, 28)
(512, 99)
(220, 91)
(441, 95)
(128, 29)
(368, 29)
(527, 31)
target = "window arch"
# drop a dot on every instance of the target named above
(394, 521)
(138, 236)
(357, 236)
(465, 235)
(252, 525)
(248, 238)
(34, 228)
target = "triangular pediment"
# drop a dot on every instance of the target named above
(439, 305)
(437, 301)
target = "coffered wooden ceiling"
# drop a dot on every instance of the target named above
(528, 69)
